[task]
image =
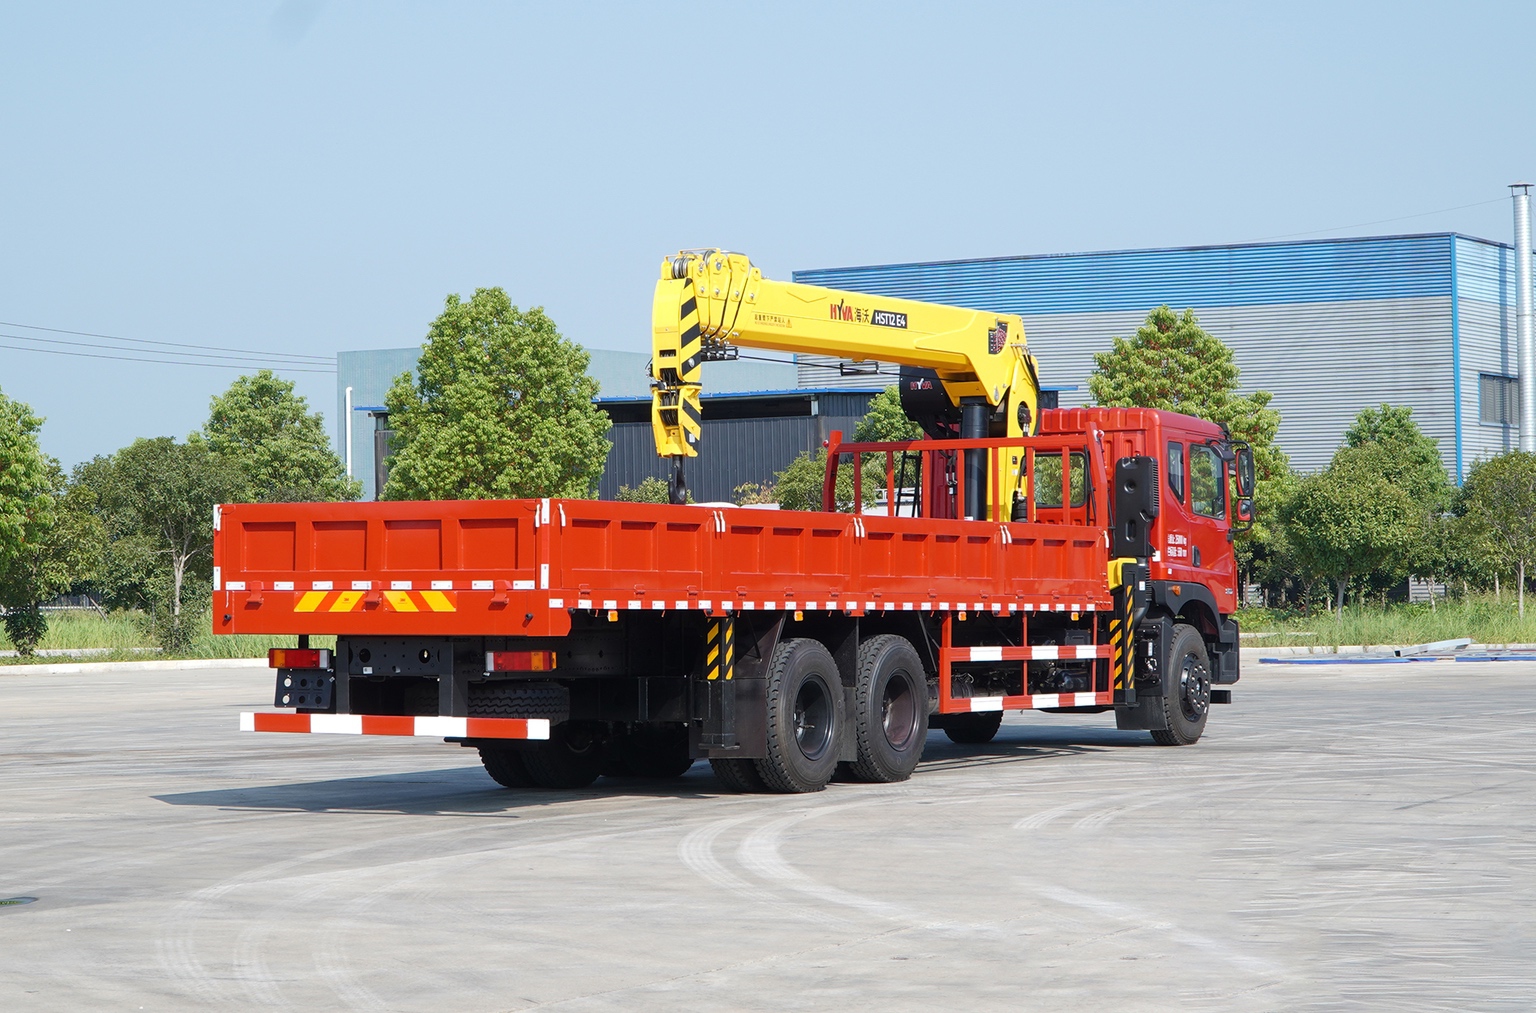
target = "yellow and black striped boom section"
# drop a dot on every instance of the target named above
(709, 302)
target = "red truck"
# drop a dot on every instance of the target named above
(1083, 568)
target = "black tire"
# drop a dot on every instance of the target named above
(891, 721)
(805, 704)
(1186, 689)
(653, 752)
(739, 775)
(571, 758)
(505, 765)
(973, 729)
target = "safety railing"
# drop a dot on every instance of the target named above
(1059, 478)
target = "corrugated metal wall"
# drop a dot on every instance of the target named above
(732, 452)
(1485, 288)
(1328, 327)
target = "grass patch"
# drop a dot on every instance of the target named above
(125, 636)
(1480, 617)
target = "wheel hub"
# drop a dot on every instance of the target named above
(1194, 689)
(898, 712)
(812, 719)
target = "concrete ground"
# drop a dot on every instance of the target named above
(1347, 837)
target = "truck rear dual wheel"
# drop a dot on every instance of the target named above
(738, 775)
(973, 729)
(505, 765)
(572, 757)
(1186, 689)
(891, 723)
(805, 712)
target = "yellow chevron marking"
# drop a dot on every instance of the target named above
(310, 601)
(438, 602)
(346, 601)
(400, 601)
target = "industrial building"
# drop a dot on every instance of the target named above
(1329, 327)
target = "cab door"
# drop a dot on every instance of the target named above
(1194, 531)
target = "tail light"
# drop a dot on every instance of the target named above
(299, 657)
(519, 661)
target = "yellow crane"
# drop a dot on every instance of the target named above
(982, 381)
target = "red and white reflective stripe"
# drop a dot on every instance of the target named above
(733, 605)
(633, 604)
(1044, 652)
(391, 724)
(1036, 701)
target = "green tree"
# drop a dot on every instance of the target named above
(799, 486)
(280, 446)
(158, 498)
(123, 561)
(1351, 520)
(1412, 460)
(27, 517)
(501, 408)
(1499, 498)
(754, 494)
(885, 421)
(650, 490)
(1173, 364)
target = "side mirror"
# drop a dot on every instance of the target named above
(1242, 511)
(1245, 471)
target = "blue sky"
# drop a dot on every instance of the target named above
(298, 178)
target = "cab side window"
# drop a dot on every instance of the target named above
(1207, 482)
(1176, 470)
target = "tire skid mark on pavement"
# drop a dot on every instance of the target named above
(1122, 912)
(759, 852)
(177, 945)
(697, 852)
(350, 919)
(249, 967)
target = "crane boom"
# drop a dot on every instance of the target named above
(709, 302)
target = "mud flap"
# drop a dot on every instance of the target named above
(730, 696)
(1146, 713)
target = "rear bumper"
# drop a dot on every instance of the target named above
(389, 724)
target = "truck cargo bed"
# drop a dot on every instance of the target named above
(521, 567)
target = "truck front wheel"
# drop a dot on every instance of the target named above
(804, 712)
(892, 720)
(1186, 689)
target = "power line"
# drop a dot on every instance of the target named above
(1382, 221)
(169, 344)
(160, 362)
(247, 360)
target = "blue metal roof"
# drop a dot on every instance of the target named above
(1331, 270)
(785, 392)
